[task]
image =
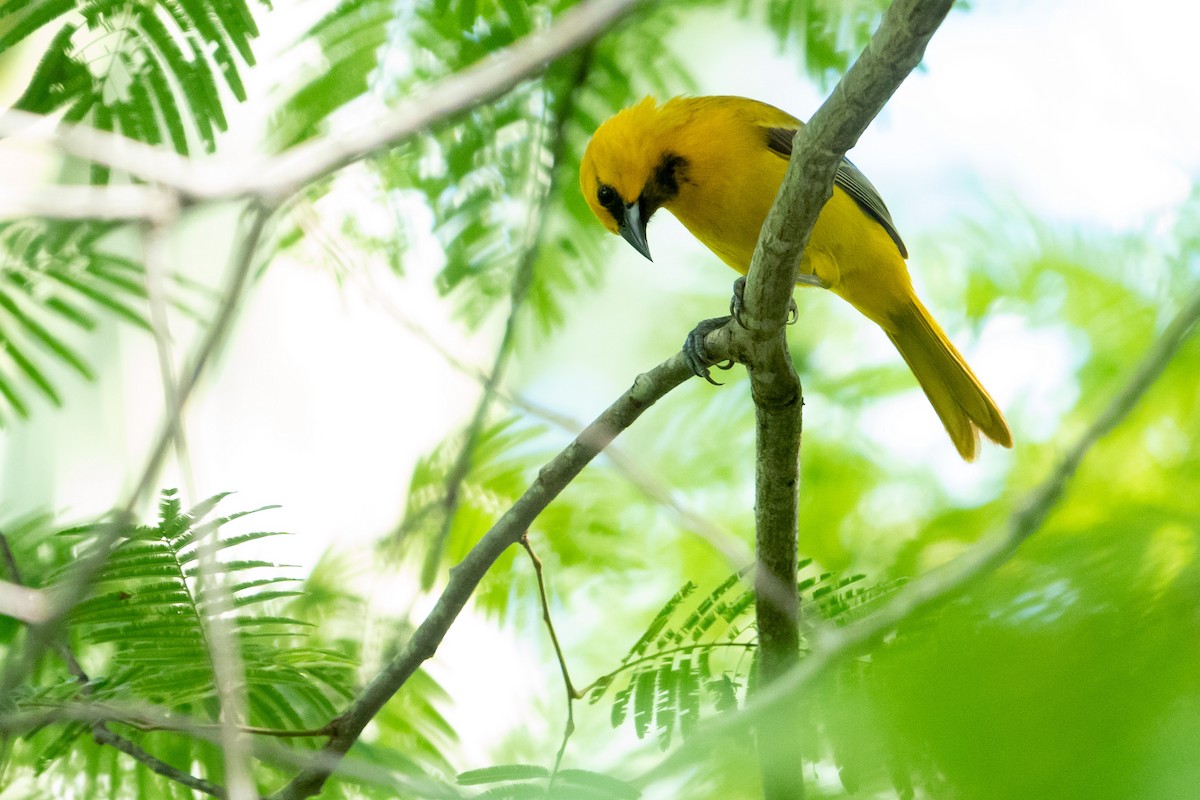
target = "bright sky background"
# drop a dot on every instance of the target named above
(1084, 111)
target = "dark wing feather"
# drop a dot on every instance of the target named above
(852, 182)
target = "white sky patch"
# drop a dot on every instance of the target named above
(1083, 110)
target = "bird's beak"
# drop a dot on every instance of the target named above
(633, 228)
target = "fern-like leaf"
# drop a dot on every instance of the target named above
(54, 279)
(486, 178)
(701, 650)
(135, 67)
(519, 781)
(144, 623)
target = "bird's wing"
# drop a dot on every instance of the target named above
(850, 179)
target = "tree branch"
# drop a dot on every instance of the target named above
(818, 148)
(647, 389)
(273, 180)
(103, 735)
(119, 203)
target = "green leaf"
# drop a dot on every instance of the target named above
(35, 375)
(643, 702)
(602, 786)
(37, 14)
(142, 636)
(664, 710)
(159, 92)
(101, 298)
(238, 565)
(502, 772)
(689, 697)
(41, 334)
(14, 399)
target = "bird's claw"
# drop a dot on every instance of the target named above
(737, 304)
(695, 354)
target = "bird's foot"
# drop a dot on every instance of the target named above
(737, 303)
(696, 354)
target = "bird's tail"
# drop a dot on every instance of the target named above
(964, 406)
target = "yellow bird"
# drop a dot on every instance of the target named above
(716, 163)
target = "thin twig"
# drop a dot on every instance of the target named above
(210, 346)
(100, 731)
(145, 724)
(568, 687)
(156, 258)
(105, 736)
(647, 389)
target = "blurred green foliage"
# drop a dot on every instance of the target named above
(153, 71)
(58, 280)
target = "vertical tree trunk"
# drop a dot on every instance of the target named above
(777, 476)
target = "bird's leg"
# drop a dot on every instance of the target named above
(696, 354)
(694, 351)
(737, 303)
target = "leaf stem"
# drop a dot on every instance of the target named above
(572, 694)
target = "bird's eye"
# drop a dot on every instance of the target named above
(607, 196)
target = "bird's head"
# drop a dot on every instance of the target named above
(629, 171)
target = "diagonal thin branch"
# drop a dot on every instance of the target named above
(647, 389)
(156, 258)
(273, 180)
(103, 735)
(568, 687)
(100, 730)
